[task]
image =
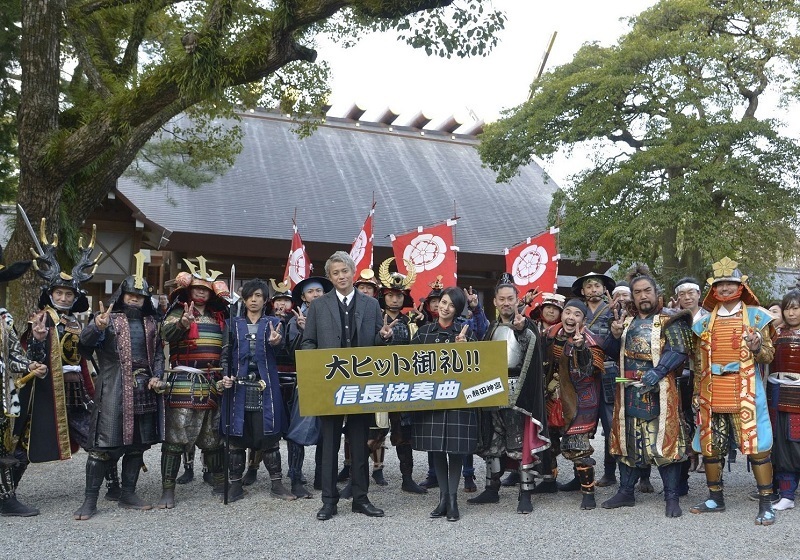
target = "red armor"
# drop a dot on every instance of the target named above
(787, 352)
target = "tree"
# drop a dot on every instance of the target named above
(99, 78)
(684, 172)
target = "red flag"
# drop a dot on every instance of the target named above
(432, 251)
(298, 267)
(534, 262)
(362, 245)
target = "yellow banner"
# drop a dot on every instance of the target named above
(402, 378)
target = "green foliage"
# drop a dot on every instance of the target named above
(683, 171)
(9, 97)
(191, 150)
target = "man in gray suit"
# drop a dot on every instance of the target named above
(344, 318)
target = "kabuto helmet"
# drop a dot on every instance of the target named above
(134, 284)
(394, 281)
(48, 268)
(200, 275)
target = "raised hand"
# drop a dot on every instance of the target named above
(462, 336)
(578, 338)
(39, 326)
(301, 319)
(102, 319)
(275, 335)
(387, 331)
(188, 315)
(519, 322)
(618, 324)
(472, 298)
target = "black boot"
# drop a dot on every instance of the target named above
(573, 485)
(585, 472)
(405, 454)
(527, 485)
(236, 460)
(624, 496)
(347, 492)
(452, 508)
(511, 480)
(131, 467)
(188, 468)
(170, 465)
(113, 489)
(491, 493)
(296, 456)
(95, 474)
(441, 509)
(766, 513)
(716, 499)
(344, 474)
(9, 505)
(272, 460)
(214, 461)
(670, 475)
(252, 467)
(548, 486)
(377, 476)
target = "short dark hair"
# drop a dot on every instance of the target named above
(458, 298)
(644, 277)
(252, 286)
(505, 285)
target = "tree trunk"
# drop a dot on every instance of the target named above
(40, 186)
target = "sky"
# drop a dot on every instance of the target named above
(382, 72)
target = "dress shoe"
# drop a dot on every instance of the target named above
(368, 509)
(327, 511)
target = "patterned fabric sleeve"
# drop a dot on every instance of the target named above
(17, 361)
(172, 330)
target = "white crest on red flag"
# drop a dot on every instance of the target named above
(362, 245)
(433, 253)
(534, 262)
(298, 267)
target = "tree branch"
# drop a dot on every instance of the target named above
(86, 63)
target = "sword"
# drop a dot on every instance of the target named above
(30, 230)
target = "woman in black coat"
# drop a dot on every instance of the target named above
(447, 434)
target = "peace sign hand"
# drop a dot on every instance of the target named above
(275, 335)
(188, 315)
(519, 322)
(618, 324)
(578, 338)
(39, 326)
(301, 319)
(462, 336)
(102, 319)
(387, 331)
(472, 298)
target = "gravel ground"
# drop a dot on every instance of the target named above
(201, 527)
